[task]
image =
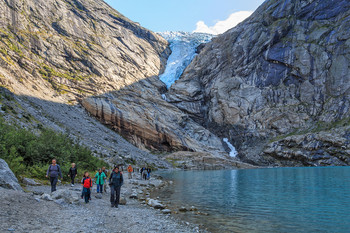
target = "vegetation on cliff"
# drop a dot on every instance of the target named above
(29, 154)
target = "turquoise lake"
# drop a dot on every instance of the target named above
(264, 200)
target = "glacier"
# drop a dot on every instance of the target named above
(183, 47)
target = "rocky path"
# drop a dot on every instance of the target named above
(28, 212)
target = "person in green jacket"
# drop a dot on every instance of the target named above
(100, 180)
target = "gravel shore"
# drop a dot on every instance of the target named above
(27, 212)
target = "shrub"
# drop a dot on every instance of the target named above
(29, 154)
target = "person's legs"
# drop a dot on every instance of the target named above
(112, 196)
(117, 198)
(72, 177)
(53, 181)
(101, 188)
(89, 194)
(98, 188)
(86, 195)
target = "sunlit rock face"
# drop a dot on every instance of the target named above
(282, 72)
(74, 48)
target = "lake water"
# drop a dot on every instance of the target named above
(264, 200)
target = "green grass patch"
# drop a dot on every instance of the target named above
(29, 154)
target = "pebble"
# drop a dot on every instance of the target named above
(166, 211)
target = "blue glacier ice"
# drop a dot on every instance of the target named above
(183, 46)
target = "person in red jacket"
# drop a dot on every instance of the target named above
(87, 184)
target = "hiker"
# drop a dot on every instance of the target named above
(130, 170)
(106, 173)
(141, 172)
(87, 184)
(115, 181)
(144, 173)
(53, 172)
(100, 180)
(72, 173)
(82, 190)
(148, 173)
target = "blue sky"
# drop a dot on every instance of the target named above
(180, 15)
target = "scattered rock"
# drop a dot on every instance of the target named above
(183, 209)
(166, 211)
(7, 178)
(201, 213)
(155, 204)
(61, 201)
(193, 208)
(134, 196)
(28, 181)
(39, 193)
(122, 201)
(68, 195)
(98, 196)
(46, 197)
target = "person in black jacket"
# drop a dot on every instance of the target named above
(72, 173)
(115, 181)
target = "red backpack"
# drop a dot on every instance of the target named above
(87, 183)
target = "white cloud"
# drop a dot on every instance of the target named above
(223, 26)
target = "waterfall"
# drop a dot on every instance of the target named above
(183, 46)
(233, 152)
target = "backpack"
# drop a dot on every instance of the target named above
(87, 182)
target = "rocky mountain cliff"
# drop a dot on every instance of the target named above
(62, 57)
(74, 47)
(54, 53)
(277, 85)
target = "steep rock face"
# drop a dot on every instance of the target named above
(140, 114)
(58, 53)
(284, 70)
(73, 48)
(55, 52)
(312, 149)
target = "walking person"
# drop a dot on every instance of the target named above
(143, 172)
(72, 173)
(106, 173)
(100, 180)
(87, 184)
(53, 172)
(115, 181)
(148, 173)
(130, 170)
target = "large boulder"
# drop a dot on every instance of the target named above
(7, 179)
